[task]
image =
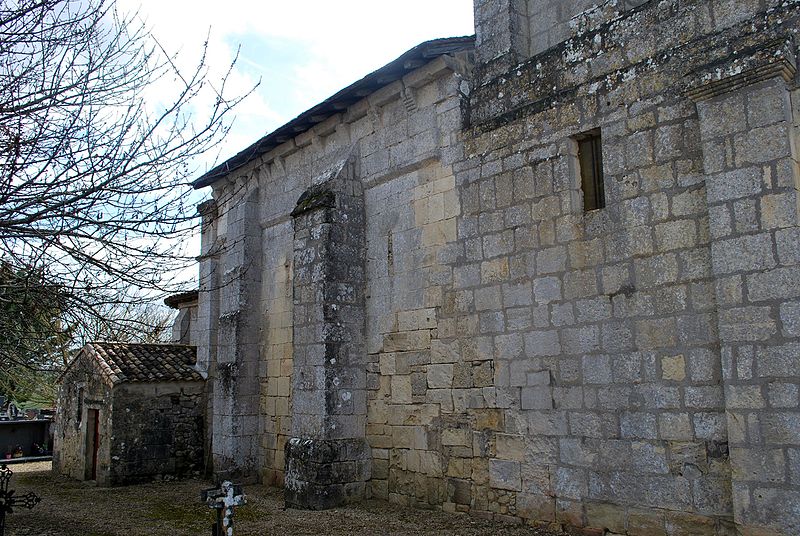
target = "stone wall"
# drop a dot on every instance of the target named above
(183, 326)
(80, 390)
(403, 127)
(327, 459)
(622, 412)
(632, 368)
(157, 431)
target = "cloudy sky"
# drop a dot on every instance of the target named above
(303, 51)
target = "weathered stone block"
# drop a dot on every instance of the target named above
(780, 283)
(405, 341)
(747, 253)
(597, 369)
(536, 398)
(440, 376)
(510, 447)
(542, 343)
(673, 368)
(505, 475)
(570, 483)
(744, 396)
(547, 289)
(580, 340)
(674, 426)
(747, 324)
(318, 472)
(606, 516)
(650, 522)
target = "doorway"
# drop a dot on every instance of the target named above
(92, 442)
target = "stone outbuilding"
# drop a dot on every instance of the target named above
(129, 412)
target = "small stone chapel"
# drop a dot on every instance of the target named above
(549, 273)
(130, 413)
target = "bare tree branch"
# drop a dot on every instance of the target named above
(94, 173)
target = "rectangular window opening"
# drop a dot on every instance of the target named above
(590, 163)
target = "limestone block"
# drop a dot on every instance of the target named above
(653, 334)
(444, 352)
(404, 341)
(758, 465)
(505, 475)
(650, 522)
(401, 389)
(674, 426)
(495, 270)
(418, 319)
(441, 397)
(676, 235)
(606, 516)
(483, 374)
(456, 437)
(440, 376)
(673, 368)
(688, 523)
(744, 396)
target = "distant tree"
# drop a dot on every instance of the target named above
(34, 342)
(130, 322)
(98, 133)
(38, 336)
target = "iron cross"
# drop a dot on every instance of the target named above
(7, 499)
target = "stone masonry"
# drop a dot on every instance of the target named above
(328, 458)
(499, 349)
(147, 409)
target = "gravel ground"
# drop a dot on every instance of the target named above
(173, 508)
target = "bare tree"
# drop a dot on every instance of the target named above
(94, 173)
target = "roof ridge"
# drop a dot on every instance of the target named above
(121, 362)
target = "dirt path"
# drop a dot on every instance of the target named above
(173, 509)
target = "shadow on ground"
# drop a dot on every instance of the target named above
(173, 508)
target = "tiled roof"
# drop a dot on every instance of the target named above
(130, 362)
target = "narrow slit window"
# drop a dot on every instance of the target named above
(590, 162)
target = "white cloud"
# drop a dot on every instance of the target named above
(302, 51)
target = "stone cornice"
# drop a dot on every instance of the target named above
(774, 60)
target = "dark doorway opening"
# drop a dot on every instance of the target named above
(92, 443)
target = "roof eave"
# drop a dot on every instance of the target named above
(389, 73)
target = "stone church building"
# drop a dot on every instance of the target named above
(550, 273)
